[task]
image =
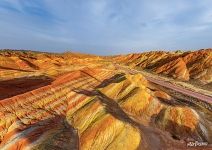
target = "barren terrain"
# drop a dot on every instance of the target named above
(78, 101)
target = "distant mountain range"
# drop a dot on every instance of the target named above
(74, 101)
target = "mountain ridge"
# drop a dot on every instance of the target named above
(71, 101)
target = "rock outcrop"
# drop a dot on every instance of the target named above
(184, 66)
(88, 105)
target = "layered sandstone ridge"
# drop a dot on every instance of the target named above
(23, 71)
(195, 65)
(94, 109)
(76, 101)
(15, 64)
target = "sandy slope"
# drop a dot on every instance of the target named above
(88, 104)
(184, 65)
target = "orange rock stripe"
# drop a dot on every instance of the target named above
(88, 84)
(31, 136)
(23, 97)
(17, 103)
(34, 92)
(73, 104)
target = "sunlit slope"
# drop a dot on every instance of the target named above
(14, 64)
(195, 65)
(95, 109)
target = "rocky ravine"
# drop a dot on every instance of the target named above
(92, 106)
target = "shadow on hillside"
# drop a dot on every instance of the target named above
(7, 68)
(114, 79)
(161, 62)
(153, 136)
(171, 102)
(18, 86)
(151, 139)
(52, 134)
(178, 131)
(29, 63)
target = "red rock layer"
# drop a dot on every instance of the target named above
(181, 65)
(88, 105)
(29, 116)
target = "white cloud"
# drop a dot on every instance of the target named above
(107, 24)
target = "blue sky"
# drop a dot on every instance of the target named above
(105, 26)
